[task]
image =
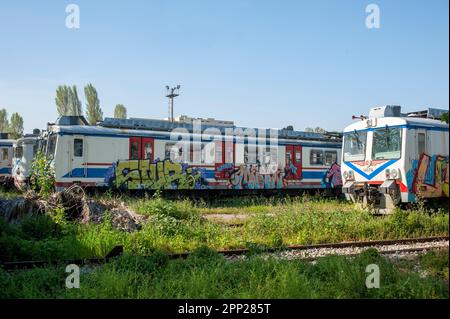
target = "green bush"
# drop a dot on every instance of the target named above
(42, 177)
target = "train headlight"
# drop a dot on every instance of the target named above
(394, 174)
(391, 174)
(348, 175)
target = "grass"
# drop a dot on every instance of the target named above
(144, 271)
(206, 274)
(177, 226)
(8, 193)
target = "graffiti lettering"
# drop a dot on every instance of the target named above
(333, 175)
(143, 174)
(430, 176)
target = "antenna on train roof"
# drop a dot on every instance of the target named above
(172, 93)
(361, 117)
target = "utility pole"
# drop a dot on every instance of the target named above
(171, 94)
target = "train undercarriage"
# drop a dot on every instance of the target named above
(378, 198)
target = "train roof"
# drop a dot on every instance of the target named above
(135, 126)
(412, 122)
(7, 142)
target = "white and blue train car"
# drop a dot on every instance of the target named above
(6, 155)
(391, 158)
(148, 154)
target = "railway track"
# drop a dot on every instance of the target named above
(390, 246)
(308, 252)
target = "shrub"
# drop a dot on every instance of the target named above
(42, 177)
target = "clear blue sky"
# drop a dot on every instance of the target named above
(260, 63)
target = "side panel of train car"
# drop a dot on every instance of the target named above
(6, 155)
(137, 159)
(391, 160)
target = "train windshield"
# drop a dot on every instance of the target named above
(18, 151)
(355, 146)
(51, 146)
(387, 143)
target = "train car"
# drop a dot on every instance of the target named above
(6, 154)
(391, 158)
(25, 150)
(139, 154)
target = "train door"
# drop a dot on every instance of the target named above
(224, 158)
(77, 158)
(141, 148)
(148, 148)
(135, 148)
(219, 159)
(294, 161)
(421, 142)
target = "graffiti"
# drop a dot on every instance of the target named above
(429, 176)
(290, 172)
(165, 174)
(333, 175)
(256, 177)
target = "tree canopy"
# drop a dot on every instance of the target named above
(67, 101)
(4, 123)
(16, 126)
(94, 113)
(120, 111)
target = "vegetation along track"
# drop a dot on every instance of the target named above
(394, 247)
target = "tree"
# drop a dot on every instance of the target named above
(444, 117)
(289, 128)
(315, 130)
(319, 130)
(16, 126)
(4, 124)
(62, 100)
(93, 111)
(74, 102)
(120, 111)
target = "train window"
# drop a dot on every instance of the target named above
(134, 150)
(18, 152)
(267, 155)
(288, 159)
(355, 146)
(298, 156)
(174, 152)
(228, 152)
(148, 151)
(421, 143)
(78, 147)
(35, 149)
(4, 154)
(250, 155)
(219, 153)
(386, 143)
(169, 150)
(316, 157)
(51, 146)
(330, 157)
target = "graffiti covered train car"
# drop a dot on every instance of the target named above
(391, 158)
(139, 154)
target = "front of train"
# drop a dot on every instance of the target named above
(24, 151)
(373, 161)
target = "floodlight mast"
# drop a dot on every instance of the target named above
(172, 93)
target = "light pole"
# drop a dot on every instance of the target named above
(172, 93)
